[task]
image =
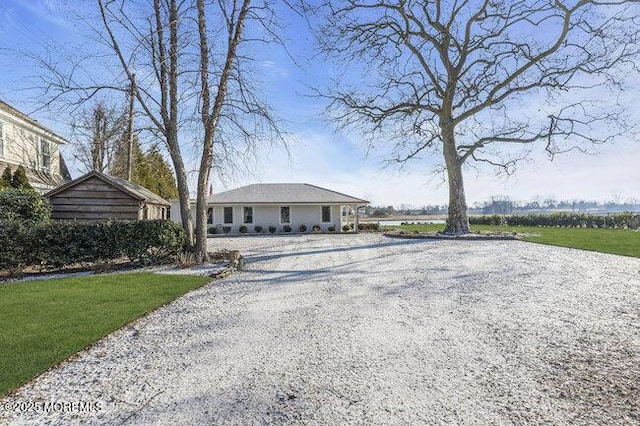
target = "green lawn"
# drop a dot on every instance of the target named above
(616, 241)
(45, 322)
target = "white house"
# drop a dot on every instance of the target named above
(280, 205)
(25, 142)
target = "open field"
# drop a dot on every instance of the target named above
(363, 329)
(45, 322)
(615, 241)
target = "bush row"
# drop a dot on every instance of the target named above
(258, 229)
(564, 220)
(58, 244)
(371, 226)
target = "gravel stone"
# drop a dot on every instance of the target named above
(363, 329)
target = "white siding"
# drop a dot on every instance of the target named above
(266, 216)
(22, 148)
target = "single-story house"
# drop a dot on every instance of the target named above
(96, 196)
(280, 205)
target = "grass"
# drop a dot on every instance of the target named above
(615, 241)
(44, 322)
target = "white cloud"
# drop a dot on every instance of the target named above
(274, 70)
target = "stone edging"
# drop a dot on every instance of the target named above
(236, 262)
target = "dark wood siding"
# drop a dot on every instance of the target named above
(93, 200)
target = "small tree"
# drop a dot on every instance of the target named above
(154, 173)
(20, 180)
(6, 179)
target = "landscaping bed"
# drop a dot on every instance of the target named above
(476, 236)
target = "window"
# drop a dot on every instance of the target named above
(45, 154)
(209, 216)
(1, 139)
(228, 215)
(285, 214)
(247, 214)
(326, 214)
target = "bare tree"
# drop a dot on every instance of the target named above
(157, 48)
(474, 79)
(211, 114)
(195, 69)
(97, 131)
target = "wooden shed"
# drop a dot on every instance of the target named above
(97, 196)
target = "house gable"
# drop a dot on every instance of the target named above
(25, 142)
(94, 199)
(96, 196)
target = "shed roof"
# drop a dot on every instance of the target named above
(133, 189)
(21, 115)
(283, 193)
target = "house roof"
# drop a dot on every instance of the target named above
(21, 115)
(283, 193)
(136, 191)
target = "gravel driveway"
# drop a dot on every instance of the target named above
(336, 329)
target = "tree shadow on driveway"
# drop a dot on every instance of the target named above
(266, 257)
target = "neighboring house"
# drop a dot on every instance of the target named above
(25, 142)
(280, 204)
(96, 197)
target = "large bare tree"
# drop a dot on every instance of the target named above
(480, 79)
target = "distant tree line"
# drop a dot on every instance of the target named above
(502, 205)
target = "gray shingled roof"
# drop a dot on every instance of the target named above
(282, 193)
(139, 190)
(136, 191)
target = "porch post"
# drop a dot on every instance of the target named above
(356, 219)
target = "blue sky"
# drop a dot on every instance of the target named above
(317, 153)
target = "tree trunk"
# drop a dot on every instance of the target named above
(457, 220)
(200, 248)
(211, 118)
(183, 186)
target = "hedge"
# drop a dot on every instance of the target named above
(370, 226)
(563, 220)
(59, 244)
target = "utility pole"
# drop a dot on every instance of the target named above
(132, 94)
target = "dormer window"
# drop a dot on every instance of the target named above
(45, 155)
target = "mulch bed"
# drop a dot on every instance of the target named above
(465, 237)
(120, 265)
